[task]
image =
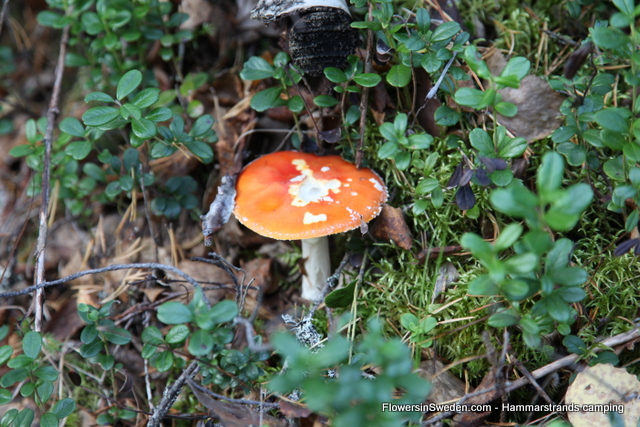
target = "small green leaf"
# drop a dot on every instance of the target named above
(146, 97)
(427, 185)
(256, 68)
(64, 407)
(224, 311)
(44, 390)
(24, 418)
(420, 141)
(13, 376)
(143, 128)
(177, 335)
(557, 308)
(367, 79)
(49, 420)
(31, 344)
(152, 335)
(574, 344)
(512, 147)
(481, 141)
(48, 373)
(5, 354)
(399, 75)
(609, 37)
(174, 313)
(21, 150)
(569, 276)
(128, 83)
(614, 119)
(335, 75)
(164, 361)
(200, 149)
(99, 116)
(476, 244)
(517, 66)
(445, 31)
(265, 99)
(342, 297)
(159, 114)
(446, 116)
(98, 96)
(507, 109)
(388, 150)
(79, 150)
(5, 397)
(90, 350)
(502, 320)
(118, 336)
(72, 126)
(200, 343)
(202, 125)
(469, 97)
(625, 6)
(509, 235)
(549, 176)
(325, 101)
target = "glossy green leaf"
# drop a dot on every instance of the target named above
(99, 116)
(31, 344)
(79, 150)
(399, 75)
(64, 407)
(367, 79)
(159, 115)
(502, 320)
(550, 173)
(164, 361)
(200, 343)
(152, 335)
(5, 354)
(325, 101)
(72, 126)
(178, 334)
(256, 68)
(174, 313)
(265, 99)
(128, 83)
(202, 125)
(49, 420)
(98, 96)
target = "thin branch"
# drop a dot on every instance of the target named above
(150, 265)
(170, 395)
(509, 386)
(52, 114)
(364, 96)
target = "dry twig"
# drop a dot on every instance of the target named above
(52, 114)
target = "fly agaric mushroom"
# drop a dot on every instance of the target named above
(289, 196)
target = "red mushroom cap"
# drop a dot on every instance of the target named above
(289, 195)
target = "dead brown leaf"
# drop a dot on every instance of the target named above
(391, 225)
(538, 105)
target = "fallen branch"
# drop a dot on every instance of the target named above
(52, 113)
(114, 267)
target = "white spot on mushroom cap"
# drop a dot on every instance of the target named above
(309, 189)
(376, 184)
(325, 169)
(353, 193)
(310, 218)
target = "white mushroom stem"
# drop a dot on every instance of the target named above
(317, 266)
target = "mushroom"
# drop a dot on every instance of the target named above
(289, 196)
